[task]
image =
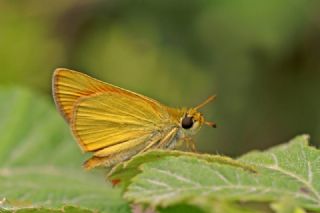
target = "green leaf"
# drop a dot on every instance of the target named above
(181, 208)
(286, 205)
(125, 171)
(68, 209)
(290, 170)
(208, 205)
(40, 163)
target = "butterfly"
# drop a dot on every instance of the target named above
(115, 124)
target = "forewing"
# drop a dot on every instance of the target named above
(69, 86)
(107, 119)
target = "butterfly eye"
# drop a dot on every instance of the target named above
(187, 122)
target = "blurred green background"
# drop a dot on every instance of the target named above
(261, 58)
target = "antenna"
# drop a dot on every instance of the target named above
(211, 124)
(208, 100)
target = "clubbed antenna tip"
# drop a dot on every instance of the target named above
(211, 124)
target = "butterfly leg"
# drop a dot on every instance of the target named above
(160, 144)
(166, 142)
(190, 144)
(151, 144)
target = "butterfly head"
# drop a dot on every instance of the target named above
(192, 120)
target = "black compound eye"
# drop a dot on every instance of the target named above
(187, 122)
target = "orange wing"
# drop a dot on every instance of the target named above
(69, 86)
(102, 115)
